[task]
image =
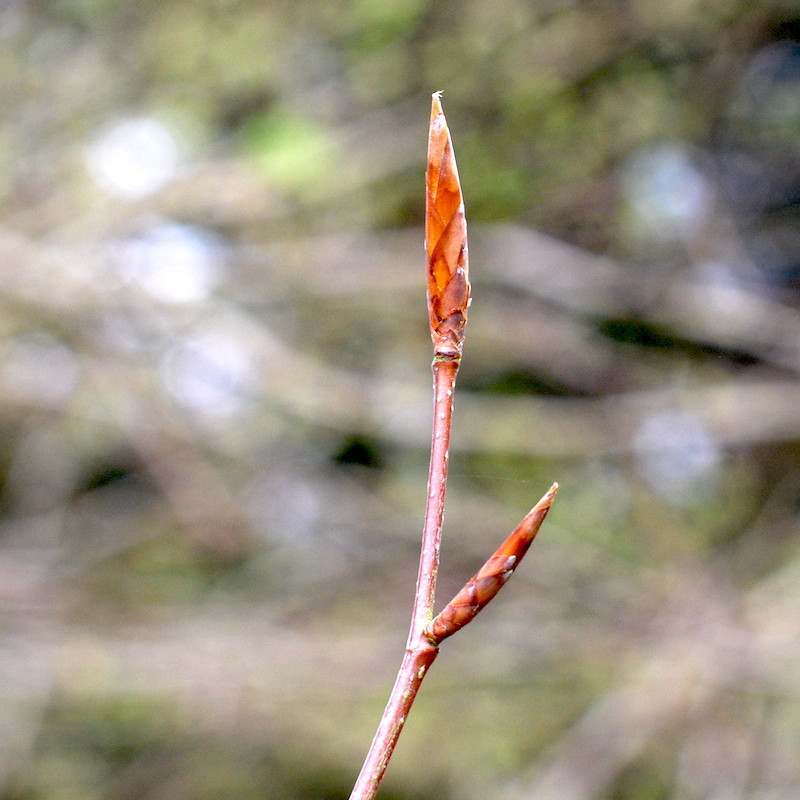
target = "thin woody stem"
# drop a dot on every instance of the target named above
(444, 380)
(415, 664)
(420, 652)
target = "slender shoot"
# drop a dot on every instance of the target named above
(448, 301)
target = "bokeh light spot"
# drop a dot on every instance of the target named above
(211, 374)
(666, 191)
(173, 263)
(133, 158)
(676, 454)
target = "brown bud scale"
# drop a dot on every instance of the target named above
(489, 579)
(445, 240)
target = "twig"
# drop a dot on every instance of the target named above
(448, 301)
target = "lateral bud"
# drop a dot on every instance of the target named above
(489, 579)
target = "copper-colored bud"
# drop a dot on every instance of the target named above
(445, 241)
(489, 579)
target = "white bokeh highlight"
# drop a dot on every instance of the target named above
(133, 158)
(211, 374)
(173, 263)
(676, 454)
(668, 194)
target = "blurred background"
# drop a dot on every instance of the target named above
(215, 397)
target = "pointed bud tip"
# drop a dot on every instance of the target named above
(436, 104)
(546, 501)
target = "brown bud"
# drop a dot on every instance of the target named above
(445, 240)
(489, 579)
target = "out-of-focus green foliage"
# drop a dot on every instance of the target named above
(214, 390)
